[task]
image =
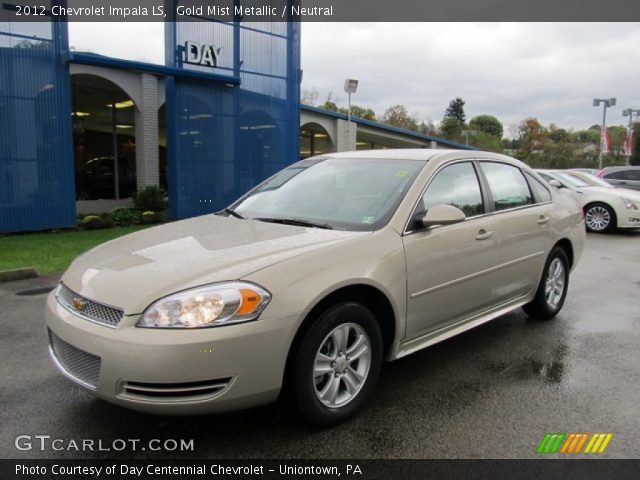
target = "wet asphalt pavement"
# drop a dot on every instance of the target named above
(492, 392)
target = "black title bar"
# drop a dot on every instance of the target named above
(319, 10)
(551, 469)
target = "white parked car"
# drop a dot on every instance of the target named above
(605, 207)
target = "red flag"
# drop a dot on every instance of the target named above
(628, 143)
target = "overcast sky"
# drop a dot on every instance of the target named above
(511, 70)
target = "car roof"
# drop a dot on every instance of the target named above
(621, 167)
(425, 154)
(395, 153)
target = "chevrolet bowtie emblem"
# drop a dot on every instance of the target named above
(78, 303)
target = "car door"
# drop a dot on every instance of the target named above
(449, 267)
(521, 228)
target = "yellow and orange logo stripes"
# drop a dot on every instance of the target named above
(572, 443)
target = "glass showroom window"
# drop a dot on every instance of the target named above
(103, 139)
(314, 140)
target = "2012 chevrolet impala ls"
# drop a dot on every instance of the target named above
(311, 280)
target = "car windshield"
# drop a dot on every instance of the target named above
(343, 193)
(591, 180)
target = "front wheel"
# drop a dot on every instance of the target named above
(599, 218)
(337, 364)
(553, 286)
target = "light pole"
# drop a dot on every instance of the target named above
(607, 102)
(350, 86)
(629, 112)
(467, 133)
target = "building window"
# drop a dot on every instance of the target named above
(314, 140)
(103, 139)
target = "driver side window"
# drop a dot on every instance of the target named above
(455, 185)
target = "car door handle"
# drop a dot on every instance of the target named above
(483, 234)
(542, 220)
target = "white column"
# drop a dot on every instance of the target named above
(147, 163)
(346, 137)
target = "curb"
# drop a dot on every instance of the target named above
(17, 274)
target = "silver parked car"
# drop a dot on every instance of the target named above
(312, 280)
(622, 177)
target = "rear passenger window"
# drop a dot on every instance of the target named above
(619, 175)
(631, 174)
(539, 190)
(508, 185)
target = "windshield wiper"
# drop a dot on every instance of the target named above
(233, 213)
(295, 221)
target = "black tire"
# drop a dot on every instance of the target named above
(600, 212)
(541, 307)
(303, 385)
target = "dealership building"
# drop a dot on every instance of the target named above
(80, 132)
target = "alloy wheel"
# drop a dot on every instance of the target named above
(555, 283)
(598, 218)
(342, 365)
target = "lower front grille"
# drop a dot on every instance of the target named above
(175, 391)
(77, 364)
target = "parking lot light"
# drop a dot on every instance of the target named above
(350, 86)
(607, 102)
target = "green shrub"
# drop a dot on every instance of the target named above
(153, 217)
(96, 222)
(123, 217)
(150, 198)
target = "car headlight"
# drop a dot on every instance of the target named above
(630, 204)
(209, 306)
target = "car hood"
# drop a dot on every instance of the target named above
(131, 272)
(616, 192)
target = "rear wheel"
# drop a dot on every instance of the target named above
(599, 218)
(337, 364)
(553, 286)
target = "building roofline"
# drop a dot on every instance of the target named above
(157, 69)
(382, 126)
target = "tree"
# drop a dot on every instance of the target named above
(486, 142)
(531, 133)
(455, 110)
(487, 124)
(310, 97)
(451, 128)
(398, 116)
(558, 135)
(453, 120)
(428, 128)
(329, 105)
(364, 113)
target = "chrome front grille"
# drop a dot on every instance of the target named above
(88, 309)
(167, 392)
(75, 363)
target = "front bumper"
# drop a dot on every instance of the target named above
(180, 372)
(628, 218)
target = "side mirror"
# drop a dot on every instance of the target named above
(443, 215)
(555, 183)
